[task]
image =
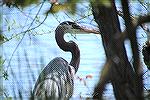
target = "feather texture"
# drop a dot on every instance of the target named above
(55, 81)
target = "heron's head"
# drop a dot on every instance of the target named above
(71, 27)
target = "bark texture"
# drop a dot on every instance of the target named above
(125, 78)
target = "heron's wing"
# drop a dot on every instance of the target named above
(55, 80)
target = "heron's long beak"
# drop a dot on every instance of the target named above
(86, 30)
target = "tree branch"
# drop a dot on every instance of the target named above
(24, 32)
(138, 81)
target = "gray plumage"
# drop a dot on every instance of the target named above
(55, 81)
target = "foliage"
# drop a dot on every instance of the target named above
(1, 38)
(106, 3)
(69, 6)
(20, 3)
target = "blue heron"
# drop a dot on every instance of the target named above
(56, 81)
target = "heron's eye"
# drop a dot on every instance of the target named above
(75, 26)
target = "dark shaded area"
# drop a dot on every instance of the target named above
(21, 3)
(126, 78)
(146, 54)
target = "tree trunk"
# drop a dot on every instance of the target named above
(118, 69)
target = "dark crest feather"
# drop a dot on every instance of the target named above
(74, 25)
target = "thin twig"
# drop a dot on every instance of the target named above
(24, 35)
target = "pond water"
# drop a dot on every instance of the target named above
(35, 51)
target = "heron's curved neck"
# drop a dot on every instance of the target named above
(68, 46)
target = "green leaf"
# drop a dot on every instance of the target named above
(69, 6)
(5, 75)
(1, 61)
(106, 3)
(148, 65)
(57, 7)
(8, 98)
(1, 37)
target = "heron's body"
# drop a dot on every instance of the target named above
(55, 81)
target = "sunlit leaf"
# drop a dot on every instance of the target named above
(1, 61)
(17, 37)
(106, 3)
(1, 37)
(69, 6)
(57, 7)
(72, 5)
